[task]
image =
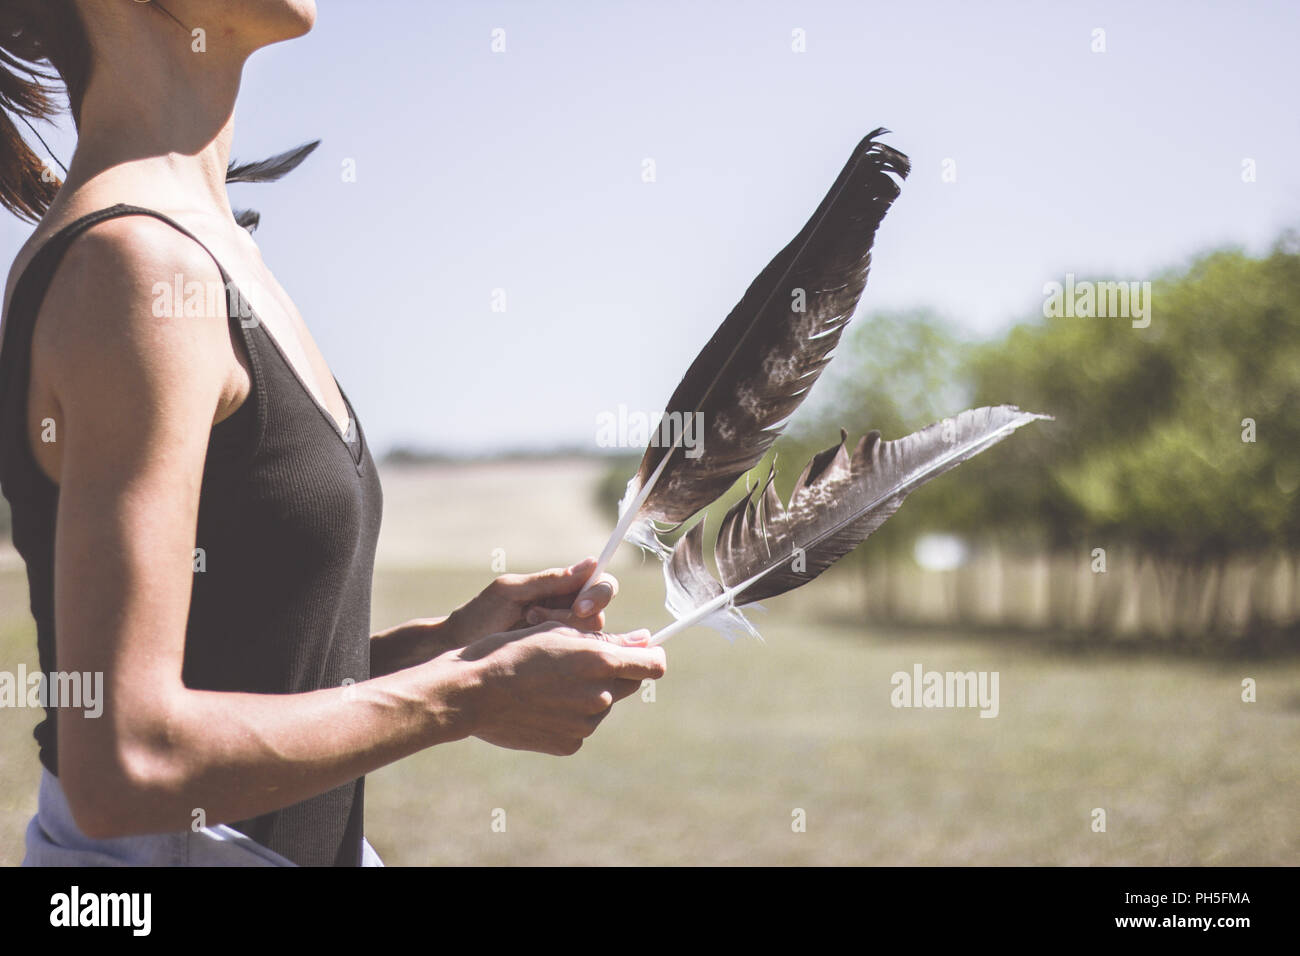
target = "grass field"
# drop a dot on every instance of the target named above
(739, 737)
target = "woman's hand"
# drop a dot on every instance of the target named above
(547, 688)
(511, 602)
(515, 601)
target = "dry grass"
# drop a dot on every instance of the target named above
(739, 736)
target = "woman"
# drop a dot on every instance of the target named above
(196, 502)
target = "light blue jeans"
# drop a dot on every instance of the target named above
(53, 839)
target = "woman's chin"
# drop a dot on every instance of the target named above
(303, 15)
(274, 21)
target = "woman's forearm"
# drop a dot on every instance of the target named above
(234, 756)
(410, 644)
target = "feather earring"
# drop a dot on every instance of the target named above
(272, 168)
(760, 363)
(265, 171)
(765, 548)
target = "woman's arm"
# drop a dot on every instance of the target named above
(136, 397)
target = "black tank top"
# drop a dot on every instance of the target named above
(289, 513)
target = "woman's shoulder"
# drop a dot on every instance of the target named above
(114, 307)
(105, 344)
(102, 251)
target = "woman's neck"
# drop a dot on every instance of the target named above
(157, 123)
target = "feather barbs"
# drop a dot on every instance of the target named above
(765, 547)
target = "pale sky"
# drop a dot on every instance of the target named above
(522, 171)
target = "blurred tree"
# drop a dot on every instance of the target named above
(1147, 450)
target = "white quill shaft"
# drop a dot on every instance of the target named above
(709, 608)
(627, 515)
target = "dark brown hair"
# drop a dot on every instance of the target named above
(35, 36)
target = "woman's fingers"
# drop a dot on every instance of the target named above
(637, 662)
(557, 587)
(624, 687)
(596, 597)
(550, 595)
(545, 615)
(547, 584)
(637, 638)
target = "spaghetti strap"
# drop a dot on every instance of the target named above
(51, 251)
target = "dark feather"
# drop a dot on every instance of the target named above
(270, 169)
(765, 548)
(249, 219)
(760, 363)
(265, 171)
